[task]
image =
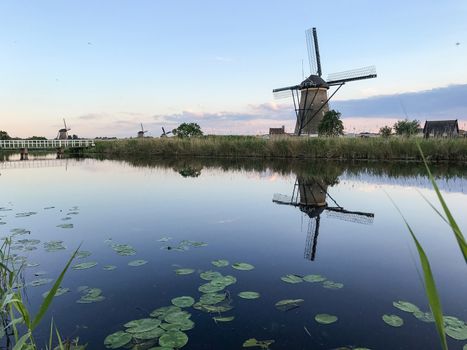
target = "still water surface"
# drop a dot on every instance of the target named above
(229, 206)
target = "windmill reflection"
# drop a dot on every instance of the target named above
(310, 195)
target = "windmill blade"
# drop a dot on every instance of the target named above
(313, 51)
(163, 131)
(351, 216)
(64, 123)
(282, 94)
(352, 75)
(142, 129)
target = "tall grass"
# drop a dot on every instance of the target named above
(289, 147)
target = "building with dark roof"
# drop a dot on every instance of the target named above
(441, 128)
(277, 131)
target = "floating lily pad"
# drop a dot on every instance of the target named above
(314, 278)
(210, 288)
(109, 267)
(54, 246)
(210, 275)
(65, 225)
(60, 291)
(220, 263)
(243, 266)
(164, 311)
(184, 301)
(123, 249)
(137, 263)
(455, 328)
(117, 340)
(288, 304)
(332, 285)
(174, 339)
(424, 316)
(223, 319)
(184, 271)
(151, 334)
(85, 265)
(40, 282)
(26, 214)
(405, 306)
(83, 254)
(142, 325)
(212, 298)
(212, 308)
(393, 320)
(66, 218)
(292, 279)
(32, 264)
(182, 325)
(164, 239)
(91, 295)
(252, 342)
(249, 295)
(177, 317)
(325, 318)
(19, 231)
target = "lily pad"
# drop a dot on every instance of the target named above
(83, 254)
(40, 282)
(252, 342)
(109, 267)
(177, 317)
(243, 266)
(212, 308)
(314, 278)
(210, 275)
(184, 271)
(325, 318)
(210, 288)
(393, 320)
(455, 328)
(249, 295)
(223, 319)
(123, 249)
(65, 225)
(185, 301)
(424, 316)
(85, 265)
(53, 246)
(117, 340)
(137, 263)
(164, 239)
(332, 285)
(174, 339)
(288, 304)
(405, 306)
(91, 295)
(142, 325)
(212, 298)
(151, 334)
(60, 291)
(220, 263)
(164, 311)
(292, 279)
(183, 325)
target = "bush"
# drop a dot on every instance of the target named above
(406, 127)
(188, 130)
(331, 124)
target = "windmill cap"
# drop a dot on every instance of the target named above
(314, 81)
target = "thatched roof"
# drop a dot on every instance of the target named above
(441, 127)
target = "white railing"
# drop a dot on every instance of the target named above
(45, 144)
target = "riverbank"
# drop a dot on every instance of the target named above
(393, 148)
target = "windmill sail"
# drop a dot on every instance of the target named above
(352, 75)
(313, 51)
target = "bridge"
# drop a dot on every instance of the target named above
(25, 145)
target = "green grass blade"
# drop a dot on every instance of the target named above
(455, 228)
(48, 299)
(22, 341)
(433, 207)
(430, 285)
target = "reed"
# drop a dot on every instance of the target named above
(341, 148)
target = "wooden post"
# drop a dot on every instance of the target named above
(24, 153)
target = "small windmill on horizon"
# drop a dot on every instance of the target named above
(63, 133)
(310, 97)
(141, 132)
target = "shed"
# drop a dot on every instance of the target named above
(277, 131)
(441, 128)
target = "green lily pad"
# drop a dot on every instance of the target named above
(424, 316)
(91, 295)
(184, 301)
(288, 304)
(109, 267)
(123, 249)
(220, 263)
(40, 282)
(243, 266)
(85, 265)
(325, 318)
(405, 306)
(177, 317)
(136, 263)
(184, 271)
(249, 295)
(252, 342)
(83, 254)
(174, 339)
(332, 285)
(212, 308)
(142, 325)
(65, 225)
(465, 347)
(393, 320)
(223, 319)
(182, 325)
(164, 311)
(54, 246)
(292, 279)
(151, 334)
(314, 278)
(224, 280)
(117, 340)
(210, 288)
(212, 298)
(210, 275)
(60, 291)
(164, 239)
(455, 328)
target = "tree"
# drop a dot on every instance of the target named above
(385, 131)
(188, 130)
(331, 124)
(4, 135)
(406, 127)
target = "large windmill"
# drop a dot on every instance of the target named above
(63, 133)
(310, 196)
(310, 97)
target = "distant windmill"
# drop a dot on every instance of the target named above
(164, 133)
(310, 97)
(63, 133)
(310, 196)
(141, 132)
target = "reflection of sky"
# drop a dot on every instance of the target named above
(234, 213)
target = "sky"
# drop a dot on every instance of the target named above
(109, 65)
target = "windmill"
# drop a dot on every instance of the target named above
(141, 132)
(310, 196)
(63, 133)
(310, 97)
(164, 133)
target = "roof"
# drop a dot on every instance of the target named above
(314, 81)
(441, 126)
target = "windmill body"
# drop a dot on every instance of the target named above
(63, 133)
(310, 97)
(141, 132)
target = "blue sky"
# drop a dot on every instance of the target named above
(107, 65)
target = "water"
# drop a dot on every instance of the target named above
(229, 205)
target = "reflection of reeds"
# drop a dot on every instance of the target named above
(290, 147)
